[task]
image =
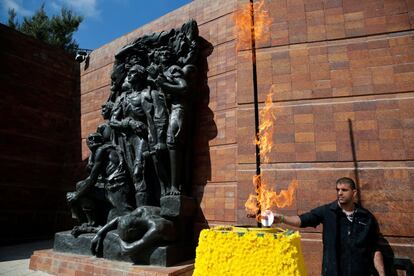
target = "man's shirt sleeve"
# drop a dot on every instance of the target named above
(374, 234)
(312, 218)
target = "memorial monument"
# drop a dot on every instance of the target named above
(134, 205)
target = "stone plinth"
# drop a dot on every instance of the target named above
(58, 263)
(65, 242)
(162, 255)
(177, 206)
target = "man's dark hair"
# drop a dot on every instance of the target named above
(346, 180)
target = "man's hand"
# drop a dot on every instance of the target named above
(279, 218)
(289, 220)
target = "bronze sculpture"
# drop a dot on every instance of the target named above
(139, 163)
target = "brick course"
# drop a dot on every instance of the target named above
(326, 62)
(57, 263)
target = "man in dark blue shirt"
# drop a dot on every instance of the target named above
(350, 234)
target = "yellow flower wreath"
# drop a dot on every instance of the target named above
(228, 251)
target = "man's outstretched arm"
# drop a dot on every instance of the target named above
(289, 220)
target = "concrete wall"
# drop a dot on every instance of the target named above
(326, 62)
(40, 137)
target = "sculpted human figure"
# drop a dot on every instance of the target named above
(139, 161)
(160, 60)
(130, 122)
(185, 44)
(142, 228)
(108, 166)
(173, 83)
(117, 77)
(125, 58)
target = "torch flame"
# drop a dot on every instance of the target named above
(252, 21)
(243, 22)
(265, 135)
(265, 197)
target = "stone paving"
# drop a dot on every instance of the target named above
(14, 260)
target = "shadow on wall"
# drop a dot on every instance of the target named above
(394, 265)
(74, 168)
(205, 129)
(39, 136)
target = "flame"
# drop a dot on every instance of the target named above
(252, 204)
(265, 136)
(243, 22)
(266, 198)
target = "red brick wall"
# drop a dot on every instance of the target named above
(326, 61)
(40, 132)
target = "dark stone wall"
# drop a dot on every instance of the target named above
(39, 134)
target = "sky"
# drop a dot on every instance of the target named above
(104, 20)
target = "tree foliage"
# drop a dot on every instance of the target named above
(12, 22)
(56, 30)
